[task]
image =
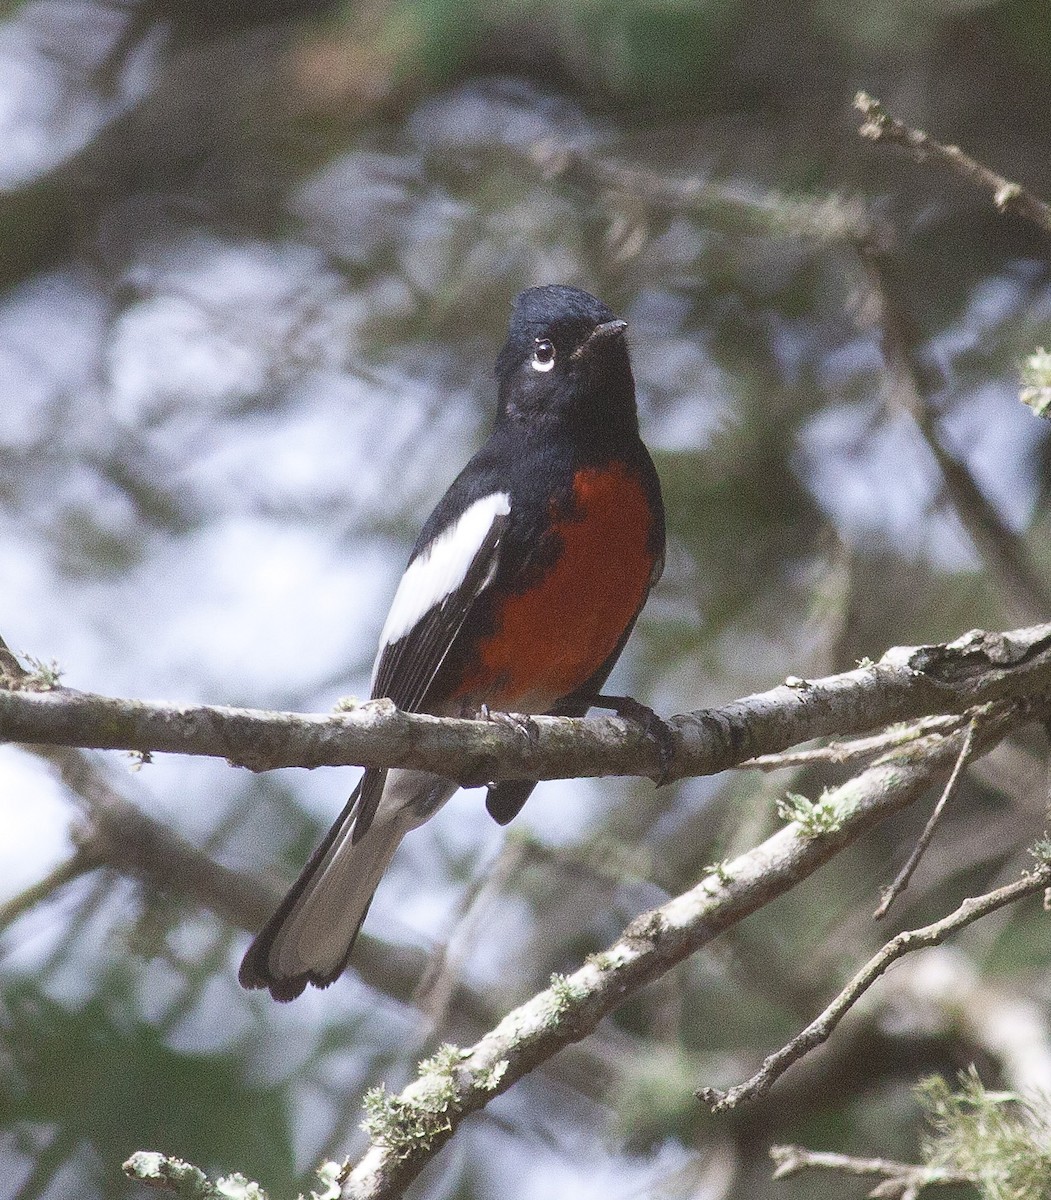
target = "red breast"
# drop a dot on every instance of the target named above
(550, 638)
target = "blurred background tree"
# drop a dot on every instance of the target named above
(255, 266)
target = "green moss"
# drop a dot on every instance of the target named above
(564, 993)
(43, 676)
(814, 817)
(444, 1060)
(403, 1124)
(489, 1080)
(416, 1118)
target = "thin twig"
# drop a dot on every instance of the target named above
(909, 940)
(838, 753)
(1008, 196)
(791, 1160)
(901, 881)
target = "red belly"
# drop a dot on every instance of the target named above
(551, 638)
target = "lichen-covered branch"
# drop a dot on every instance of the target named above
(187, 1181)
(906, 683)
(409, 1128)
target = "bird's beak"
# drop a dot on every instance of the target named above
(608, 329)
(600, 333)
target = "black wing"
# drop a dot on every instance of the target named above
(407, 667)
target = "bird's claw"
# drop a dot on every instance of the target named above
(523, 723)
(653, 726)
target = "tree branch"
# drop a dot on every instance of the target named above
(408, 1129)
(171, 1174)
(1026, 596)
(1008, 196)
(119, 835)
(837, 753)
(820, 1029)
(1024, 590)
(82, 861)
(907, 683)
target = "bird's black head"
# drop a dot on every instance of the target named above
(565, 360)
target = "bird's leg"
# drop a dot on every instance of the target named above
(653, 726)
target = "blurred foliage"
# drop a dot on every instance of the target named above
(256, 264)
(85, 1077)
(999, 1139)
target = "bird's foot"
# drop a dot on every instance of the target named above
(653, 726)
(519, 721)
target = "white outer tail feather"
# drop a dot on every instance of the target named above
(315, 937)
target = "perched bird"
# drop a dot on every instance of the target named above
(519, 596)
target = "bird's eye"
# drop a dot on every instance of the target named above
(543, 355)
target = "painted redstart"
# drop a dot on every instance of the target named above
(519, 596)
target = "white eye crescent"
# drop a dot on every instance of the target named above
(543, 355)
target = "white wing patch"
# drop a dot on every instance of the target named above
(440, 569)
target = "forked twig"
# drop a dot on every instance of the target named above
(902, 1181)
